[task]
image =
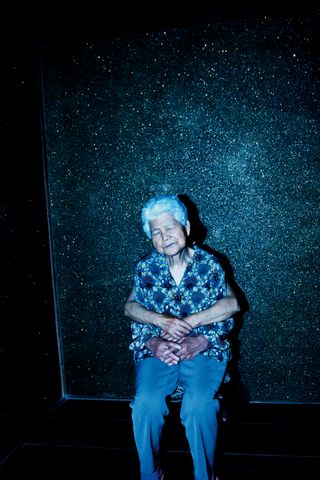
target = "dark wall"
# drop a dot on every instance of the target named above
(224, 112)
(30, 379)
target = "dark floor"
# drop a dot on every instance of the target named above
(93, 440)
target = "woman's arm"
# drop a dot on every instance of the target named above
(223, 309)
(137, 312)
(175, 327)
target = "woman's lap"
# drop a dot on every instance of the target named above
(200, 376)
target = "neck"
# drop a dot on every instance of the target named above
(180, 259)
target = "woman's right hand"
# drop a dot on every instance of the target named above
(164, 350)
(175, 327)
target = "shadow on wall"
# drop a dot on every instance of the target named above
(234, 394)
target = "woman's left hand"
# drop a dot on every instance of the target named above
(191, 346)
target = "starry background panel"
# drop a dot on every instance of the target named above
(227, 114)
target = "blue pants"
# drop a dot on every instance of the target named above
(201, 378)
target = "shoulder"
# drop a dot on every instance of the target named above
(202, 255)
(146, 260)
(208, 264)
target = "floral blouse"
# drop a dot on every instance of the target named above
(202, 284)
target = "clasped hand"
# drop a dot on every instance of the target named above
(175, 328)
(175, 344)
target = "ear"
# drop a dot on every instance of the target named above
(188, 228)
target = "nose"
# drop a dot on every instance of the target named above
(165, 235)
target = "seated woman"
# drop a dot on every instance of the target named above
(181, 311)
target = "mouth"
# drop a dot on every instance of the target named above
(169, 245)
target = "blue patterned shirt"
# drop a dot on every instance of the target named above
(202, 285)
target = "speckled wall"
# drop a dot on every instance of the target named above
(227, 114)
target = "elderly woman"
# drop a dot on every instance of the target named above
(180, 309)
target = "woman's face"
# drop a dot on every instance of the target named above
(168, 236)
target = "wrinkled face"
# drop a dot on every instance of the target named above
(168, 236)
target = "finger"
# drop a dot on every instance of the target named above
(164, 335)
(174, 345)
(183, 332)
(180, 333)
(182, 328)
(170, 364)
(171, 338)
(184, 357)
(174, 357)
(171, 361)
(186, 325)
(169, 350)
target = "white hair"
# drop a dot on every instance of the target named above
(160, 204)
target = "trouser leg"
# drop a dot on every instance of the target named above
(154, 381)
(201, 378)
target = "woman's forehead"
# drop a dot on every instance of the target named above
(163, 220)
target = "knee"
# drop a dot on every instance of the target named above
(148, 405)
(200, 409)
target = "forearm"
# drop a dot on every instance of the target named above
(222, 310)
(135, 311)
(174, 326)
